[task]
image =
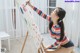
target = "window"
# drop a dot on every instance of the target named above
(51, 5)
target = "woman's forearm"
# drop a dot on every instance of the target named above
(31, 5)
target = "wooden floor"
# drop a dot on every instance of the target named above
(16, 45)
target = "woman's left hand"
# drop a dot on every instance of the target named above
(49, 46)
(59, 47)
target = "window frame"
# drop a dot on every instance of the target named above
(50, 7)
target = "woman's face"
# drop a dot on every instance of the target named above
(54, 16)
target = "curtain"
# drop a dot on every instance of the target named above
(71, 20)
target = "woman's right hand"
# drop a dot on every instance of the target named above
(28, 2)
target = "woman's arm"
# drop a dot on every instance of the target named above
(55, 44)
(39, 12)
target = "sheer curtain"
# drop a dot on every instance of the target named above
(42, 23)
(6, 16)
(71, 21)
(10, 20)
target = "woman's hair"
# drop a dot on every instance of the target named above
(61, 14)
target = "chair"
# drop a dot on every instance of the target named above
(5, 36)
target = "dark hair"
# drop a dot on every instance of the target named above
(61, 14)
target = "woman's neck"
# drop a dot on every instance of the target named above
(55, 22)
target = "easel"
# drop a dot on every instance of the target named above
(24, 43)
(41, 48)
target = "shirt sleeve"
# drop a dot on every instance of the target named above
(55, 44)
(39, 12)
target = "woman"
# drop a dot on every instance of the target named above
(56, 28)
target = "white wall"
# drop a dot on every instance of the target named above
(71, 21)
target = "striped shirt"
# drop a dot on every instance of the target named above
(55, 30)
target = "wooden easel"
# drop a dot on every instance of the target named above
(41, 48)
(24, 43)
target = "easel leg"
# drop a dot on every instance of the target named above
(24, 43)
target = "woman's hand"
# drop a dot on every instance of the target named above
(59, 47)
(49, 47)
(28, 2)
